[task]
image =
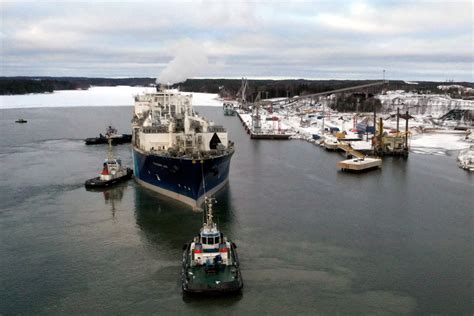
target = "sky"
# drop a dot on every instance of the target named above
(176, 40)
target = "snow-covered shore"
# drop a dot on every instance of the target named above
(466, 159)
(94, 96)
(422, 104)
(437, 143)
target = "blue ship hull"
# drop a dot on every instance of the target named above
(181, 178)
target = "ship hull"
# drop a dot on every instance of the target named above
(181, 178)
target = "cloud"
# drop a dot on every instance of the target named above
(400, 18)
(183, 39)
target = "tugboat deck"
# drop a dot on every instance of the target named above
(225, 274)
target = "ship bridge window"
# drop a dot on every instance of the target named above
(210, 240)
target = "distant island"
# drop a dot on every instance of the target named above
(25, 85)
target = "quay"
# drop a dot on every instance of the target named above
(262, 134)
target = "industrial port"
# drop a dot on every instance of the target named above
(364, 138)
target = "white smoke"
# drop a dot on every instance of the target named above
(190, 61)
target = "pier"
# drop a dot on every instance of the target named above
(350, 152)
(262, 134)
(360, 164)
(358, 161)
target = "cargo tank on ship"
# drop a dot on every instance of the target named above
(176, 152)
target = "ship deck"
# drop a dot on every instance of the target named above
(225, 274)
(226, 280)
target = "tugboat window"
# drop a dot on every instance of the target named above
(204, 240)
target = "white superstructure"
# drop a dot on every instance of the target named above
(164, 122)
(211, 243)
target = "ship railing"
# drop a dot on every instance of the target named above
(216, 129)
(157, 129)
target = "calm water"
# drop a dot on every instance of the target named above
(311, 239)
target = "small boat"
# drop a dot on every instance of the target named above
(111, 133)
(210, 262)
(229, 109)
(21, 121)
(112, 172)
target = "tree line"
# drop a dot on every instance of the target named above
(225, 87)
(24, 85)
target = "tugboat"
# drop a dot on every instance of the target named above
(110, 133)
(112, 172)
(21, 121)
(228, 109)
(210, 262)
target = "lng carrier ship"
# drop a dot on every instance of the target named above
(175, 151)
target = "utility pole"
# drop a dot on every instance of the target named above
(406, 132)
(398, 120)
(357, 113)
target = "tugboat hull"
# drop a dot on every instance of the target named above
(197, 281)
(125, 138)
(97, 183)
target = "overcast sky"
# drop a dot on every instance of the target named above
(175, 40)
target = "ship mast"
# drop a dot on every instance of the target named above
(110, 154)
(209, 222)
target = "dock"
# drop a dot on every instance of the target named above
(275, 135)
(358, 161)
(350, 152)
(331, 145)
(360, 164)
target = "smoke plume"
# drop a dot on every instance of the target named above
(190, 60)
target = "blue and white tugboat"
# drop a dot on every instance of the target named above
(210, 261)
(174, 148)
(112, 172)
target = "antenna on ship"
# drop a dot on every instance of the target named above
(110, 154)
(204, 188)
(209, 201)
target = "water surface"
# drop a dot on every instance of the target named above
(311, 239)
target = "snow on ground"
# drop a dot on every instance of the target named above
(435, 143)
(94, 96)
(427, 143)
(466, 158)
(206, 99)
(433, 104)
